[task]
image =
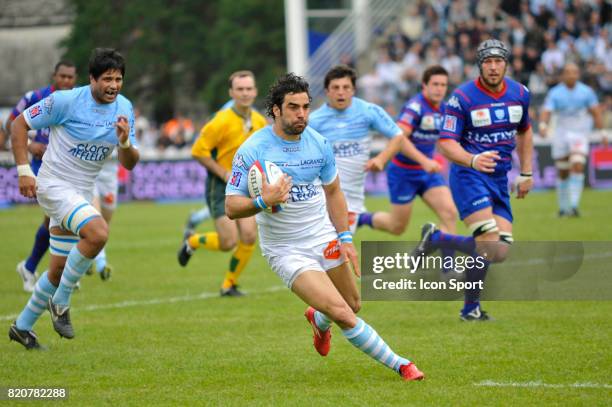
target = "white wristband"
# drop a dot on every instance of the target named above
(125, 145)
(24, 170)
(474, 158)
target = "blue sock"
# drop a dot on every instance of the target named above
(41, 244)
(198, 217)
(76, 266)
(447, 252)
(365, 218)
(364, 337)
(464, 244)
(37, 303)
(100, 261)
(472, 296)
(576, 184)
(563, 194)
(322, 321)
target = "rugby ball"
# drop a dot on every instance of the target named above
(255, 180)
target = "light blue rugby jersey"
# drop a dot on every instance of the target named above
(83, 134)
(310, 162)
(571, 106)
(349, 132)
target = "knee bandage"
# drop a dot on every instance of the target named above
(577, 159)
(80, 215)
(562, 165)
(60, 245)
(483, 227)
(506, 237)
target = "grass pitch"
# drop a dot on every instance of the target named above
(157, 334)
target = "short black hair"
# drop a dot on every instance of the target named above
(433, 70)
(340, 71)
(103, 59)
(288, 83)
(65, 63)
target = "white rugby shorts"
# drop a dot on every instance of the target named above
(290, 261)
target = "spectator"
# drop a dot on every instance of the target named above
(543, 34)
(553, 58)
(176, 132)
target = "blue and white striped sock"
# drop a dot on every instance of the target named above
(322, 321)
(563, 194)
(76, 266)
(37, 303)
(576, 184)
(101, 261)
(364, 337)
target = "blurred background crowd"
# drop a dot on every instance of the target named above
(542, 34)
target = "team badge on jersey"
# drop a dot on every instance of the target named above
(450, 123)
(35, 111)
(481, 117)
(516, 113)
(428, 122)
(500, 114)
(235, 180)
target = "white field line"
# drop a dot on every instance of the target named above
(155, 301)
(539, 384)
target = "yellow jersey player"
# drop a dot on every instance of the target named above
(214, 149)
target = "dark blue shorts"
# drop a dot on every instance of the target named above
(473, 191)
(405, 184)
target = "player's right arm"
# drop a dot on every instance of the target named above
(547, 109)
(239, 206)
(409, 150)
(238, 203)
(48, 112)
(19, 141)
(448, 143)
(35, 148)
(210, 136)
(24, 103)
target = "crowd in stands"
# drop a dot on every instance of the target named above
(542, 34)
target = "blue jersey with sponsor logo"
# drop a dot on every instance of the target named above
(348, 131)
(483, 121)
(310, 163)
(42, 135)
(82, 133)
(425, 121)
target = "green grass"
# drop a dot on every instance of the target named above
(181, 348)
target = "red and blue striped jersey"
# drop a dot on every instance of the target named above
(481, 120)
(29, 99)
(425, 120)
